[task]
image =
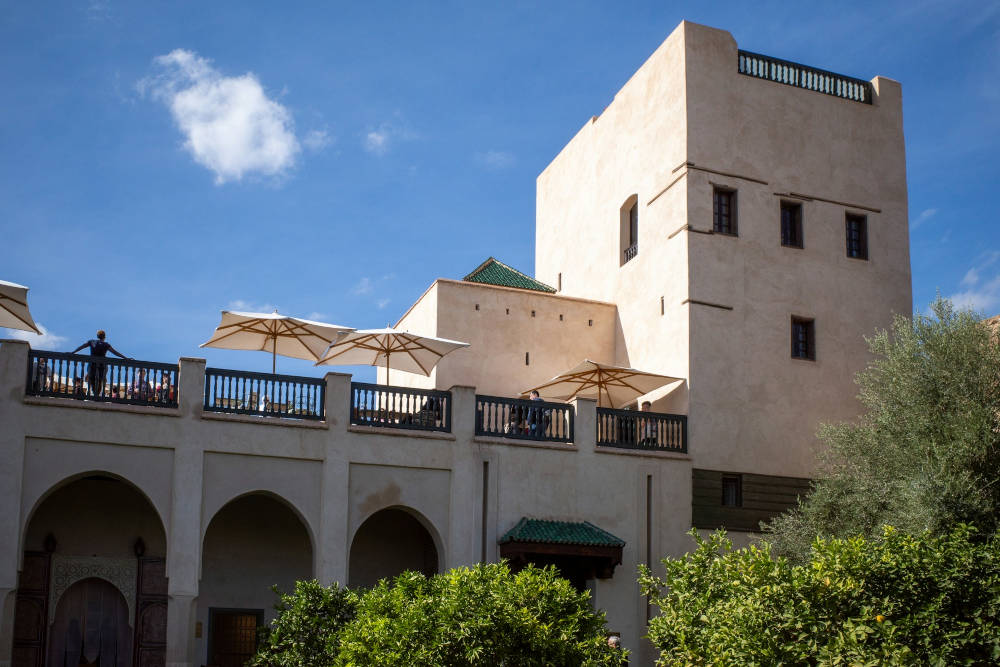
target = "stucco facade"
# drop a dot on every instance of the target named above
(191, 514)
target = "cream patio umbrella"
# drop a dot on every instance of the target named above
(612, 386)
(274, 333)
(389, 348)
(14, 307)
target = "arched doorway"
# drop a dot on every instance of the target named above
(91, 627)
(93, 568)
(253, 543)
(388, 543)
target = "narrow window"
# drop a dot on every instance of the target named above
(791, 224)
(532, 313)
(803, 338)
(629, 219)
(732, 491)
(526, 359)
(477, 306)
(724, 211)
(857, 236)
(560, 317)
(508, 311)
(662, 308)
(559, 283)
(590, 323)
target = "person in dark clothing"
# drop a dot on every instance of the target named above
(95, 370)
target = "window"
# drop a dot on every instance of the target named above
(791, 224)
(629, 227)
(732, 491)
(724, 211)
(803, 339)
(857, 236)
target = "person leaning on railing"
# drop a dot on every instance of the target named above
(647, 426)
(96, 371)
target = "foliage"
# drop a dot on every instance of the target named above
(484, 615)
(925, 454)
(898, 600)
(306, 630)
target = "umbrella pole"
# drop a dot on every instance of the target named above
(274, 353)
(387, 368)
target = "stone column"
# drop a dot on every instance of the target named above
(184, 533)
(466, 505)
(13, 374)
(331, 552)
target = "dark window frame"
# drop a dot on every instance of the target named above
(803, 332)
(733, 483)
(791, 224)
(214, 611)
(856, 235)
(725, 221)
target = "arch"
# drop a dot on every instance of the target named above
(210, 513)
(628, 228)
(68, 481)
(402, 526)
(91, 620)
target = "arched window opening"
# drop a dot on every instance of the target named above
(629, 224)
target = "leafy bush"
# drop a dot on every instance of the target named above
(483, 615)
(898, 600)
(306, 630)
(925, 455)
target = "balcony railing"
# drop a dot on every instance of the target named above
(109, 380)
(631, 252)
(803, 76)
(524, 419)
(264, 394)
(400, 407)
(630, 429)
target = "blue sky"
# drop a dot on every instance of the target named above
(391, 143)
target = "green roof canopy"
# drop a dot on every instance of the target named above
(541, 531)
(494, 272)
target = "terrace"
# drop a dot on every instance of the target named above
(67, 379)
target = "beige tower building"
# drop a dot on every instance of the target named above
(730, 219)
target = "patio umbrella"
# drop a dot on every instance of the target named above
(14, 307)
(389, 348)
(274, 333)
(610, 385)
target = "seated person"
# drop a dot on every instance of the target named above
(538, 418)
(647, 427)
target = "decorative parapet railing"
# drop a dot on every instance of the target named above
(400, 407)
(109, 380)
(631, 429)
(264, 394)
(524, 419)
(803, 76)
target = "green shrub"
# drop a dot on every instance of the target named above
(897, 600)
(306, 630)
(483, 615)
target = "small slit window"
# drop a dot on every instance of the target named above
(724, 211)
(732, 491)
(857, 236)
(629, 225)
(803, 338)
(791, 224)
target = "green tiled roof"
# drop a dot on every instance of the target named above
(493, 272)
(560, 532)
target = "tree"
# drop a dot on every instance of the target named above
(924, 455)
(483, 615)
(306, 630)
(899, 600)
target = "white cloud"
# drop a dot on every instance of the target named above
(380, 140)
(316, 316)
(981, 294)
(924, 216)
(317, 140)
(251, 306)
(230, 125)
(363, 286)
(496, 159)
(46, 341)
(382, 303)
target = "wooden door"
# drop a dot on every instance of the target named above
(91, 627)
(31, 611)
(151, 614)
(233, 636)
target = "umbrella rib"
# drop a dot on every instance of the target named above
(34, 328)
